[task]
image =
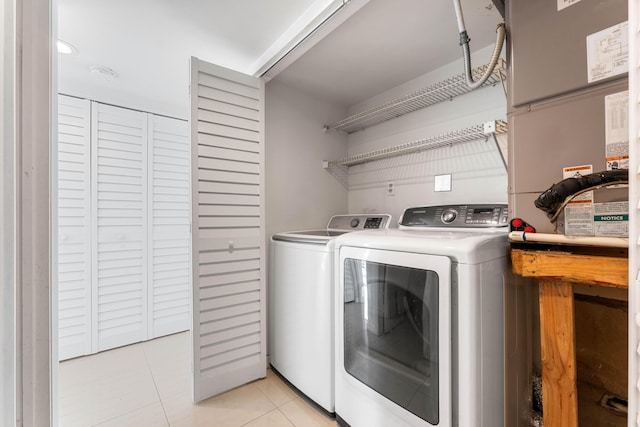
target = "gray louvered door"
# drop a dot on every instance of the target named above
(229, 324)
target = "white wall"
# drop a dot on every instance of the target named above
(478, 173)
(300, 194)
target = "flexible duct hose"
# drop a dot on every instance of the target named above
(464, 42)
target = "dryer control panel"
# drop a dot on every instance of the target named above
(471, 216)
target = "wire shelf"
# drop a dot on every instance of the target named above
(445, 90)
(469, 134)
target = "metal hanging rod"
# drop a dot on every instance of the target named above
(469, 134)
(445, 90)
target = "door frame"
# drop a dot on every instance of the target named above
(34, 89)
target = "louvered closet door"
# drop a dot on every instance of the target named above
(227, 128)
(74, 227)
(119, 167)
(169, 269)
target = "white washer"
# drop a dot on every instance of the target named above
(301, 299)
(419, 329)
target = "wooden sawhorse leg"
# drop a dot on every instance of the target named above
(557, 334)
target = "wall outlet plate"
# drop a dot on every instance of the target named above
(391, 189)
(443, 182)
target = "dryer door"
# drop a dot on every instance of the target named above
(395, 333)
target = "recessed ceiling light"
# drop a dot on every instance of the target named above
(104, 73)
(65, 48)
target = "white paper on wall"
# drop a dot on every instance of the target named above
(616, 107)
(578, 214)
(607, 52)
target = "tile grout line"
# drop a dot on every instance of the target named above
(263, 415)
(275, 405)
(288, 419)
(102, 383)
(121, 415)
(155, 384)
(295, 396)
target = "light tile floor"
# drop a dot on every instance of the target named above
(147, 385)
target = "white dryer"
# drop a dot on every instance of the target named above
(419, 330)
(301, 300)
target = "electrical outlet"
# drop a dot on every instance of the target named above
(391, 190)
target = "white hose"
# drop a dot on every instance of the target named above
(459, 15)
(466, 54)
(561, 239)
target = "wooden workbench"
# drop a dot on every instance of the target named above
(556, 269)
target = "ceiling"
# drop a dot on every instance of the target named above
(148, 44)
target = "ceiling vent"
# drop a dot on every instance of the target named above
(103, 73)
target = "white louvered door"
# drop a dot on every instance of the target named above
(124, 226)
(119, 169)
(74, 227)
(227, 134)
(169, 266)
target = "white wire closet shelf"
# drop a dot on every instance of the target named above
(444, 90)
(339, 168)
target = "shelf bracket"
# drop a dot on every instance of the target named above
(339, 172)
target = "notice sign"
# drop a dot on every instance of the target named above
(616, 110)
(611, 219)
(578, 214)
(608, 53)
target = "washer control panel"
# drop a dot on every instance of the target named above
(471, 216)
(359, 222)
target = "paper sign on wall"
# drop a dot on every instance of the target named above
(608, 52)
(616, 109)
(578, 214)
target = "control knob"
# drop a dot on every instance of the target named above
(449, 216)
(355, 222)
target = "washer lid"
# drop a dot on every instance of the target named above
(338, 225)
(318, 237)
(321, 233)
